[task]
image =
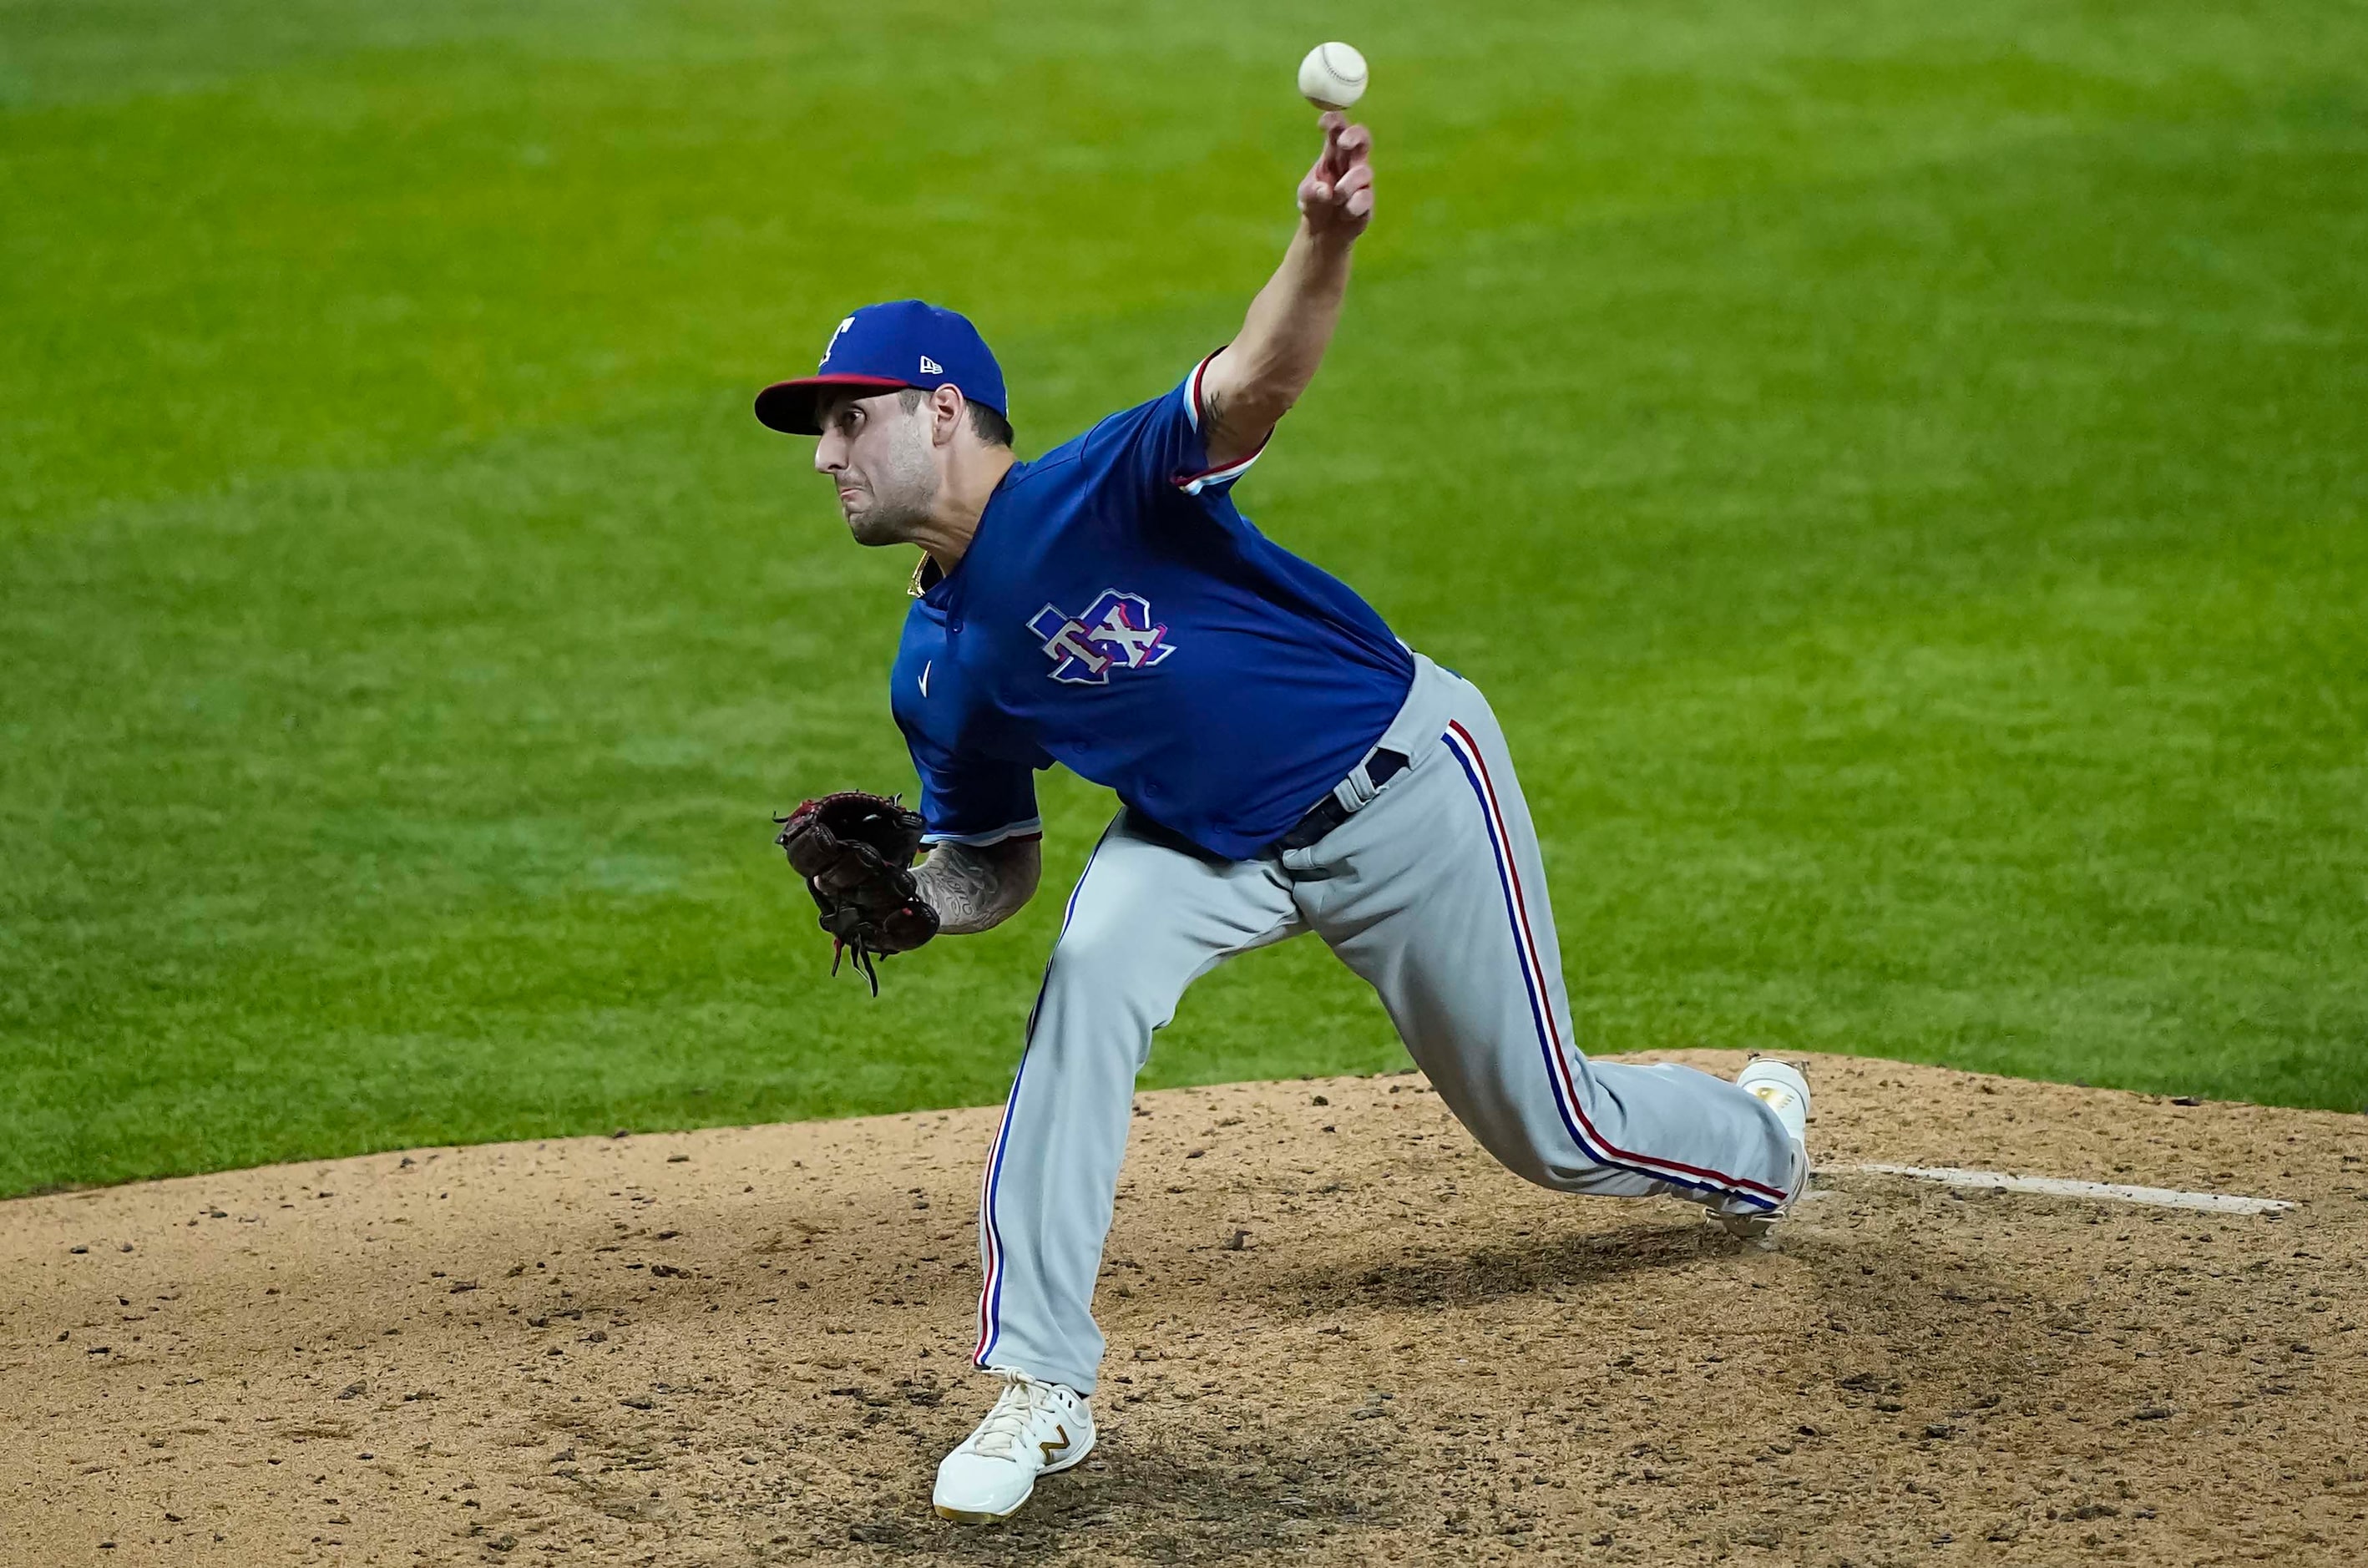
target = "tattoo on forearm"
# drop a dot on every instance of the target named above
(974, 888)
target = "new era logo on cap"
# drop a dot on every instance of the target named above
(870, 352)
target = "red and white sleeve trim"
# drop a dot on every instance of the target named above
(1032, 828)
(1196, 409)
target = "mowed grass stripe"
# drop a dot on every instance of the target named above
(471, 221)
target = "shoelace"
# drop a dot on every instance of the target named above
(1005, 1430)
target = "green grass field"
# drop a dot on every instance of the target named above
(1898, 470)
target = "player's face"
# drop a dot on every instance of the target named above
(880, 459)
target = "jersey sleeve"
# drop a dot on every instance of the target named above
(1157, 447)
(972, 799)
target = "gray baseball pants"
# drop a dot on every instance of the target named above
(1433, 892)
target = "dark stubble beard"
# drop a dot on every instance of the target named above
(903, 489)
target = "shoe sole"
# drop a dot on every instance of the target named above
(969, 1517)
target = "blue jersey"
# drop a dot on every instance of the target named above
(1114, 613)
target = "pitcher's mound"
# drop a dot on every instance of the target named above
(1337, 1331)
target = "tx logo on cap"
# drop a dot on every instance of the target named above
(834, 341)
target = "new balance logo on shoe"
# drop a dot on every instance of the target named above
(1051, 1448)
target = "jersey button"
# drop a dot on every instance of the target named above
(954, 625)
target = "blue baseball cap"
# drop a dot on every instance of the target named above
(907, 343)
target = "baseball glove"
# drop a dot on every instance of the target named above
(855, 851)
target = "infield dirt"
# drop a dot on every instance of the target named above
(1338, 1333)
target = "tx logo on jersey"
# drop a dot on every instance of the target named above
(1115, 633)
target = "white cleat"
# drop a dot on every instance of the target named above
(1780, 1086)
(1034, 1429)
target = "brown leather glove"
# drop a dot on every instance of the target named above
(855, 851)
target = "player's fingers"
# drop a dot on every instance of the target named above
(1344, 194)
(1332, 163)
(1317, 186)
(1356, 144)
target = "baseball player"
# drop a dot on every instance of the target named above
(1283, 763)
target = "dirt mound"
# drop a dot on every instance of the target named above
(1336, 1328)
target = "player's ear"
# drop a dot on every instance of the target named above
(947, 408)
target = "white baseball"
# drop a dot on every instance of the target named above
(1332, 76)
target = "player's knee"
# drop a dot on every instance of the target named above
(1590, 1180)
(1566, 1173)
(1095, 945)
(1101, 966)
(1088, 972)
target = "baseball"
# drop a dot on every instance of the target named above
(1332, 76)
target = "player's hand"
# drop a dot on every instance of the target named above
(1336, 196)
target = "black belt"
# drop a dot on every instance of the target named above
(1380, 767)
